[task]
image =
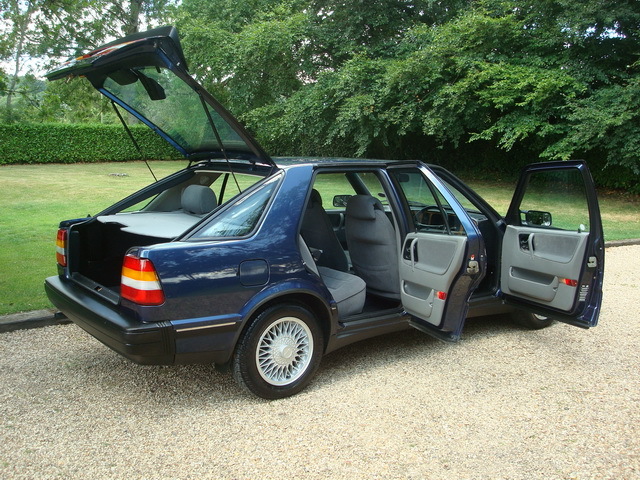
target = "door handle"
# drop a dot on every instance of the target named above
(526, 242)
(414, 253)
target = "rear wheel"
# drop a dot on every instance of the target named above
(530, 320)
(279, 353)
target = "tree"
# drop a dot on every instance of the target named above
(16, 43)
(502, 82)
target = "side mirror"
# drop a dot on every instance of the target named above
(341, 200)
(537, 218)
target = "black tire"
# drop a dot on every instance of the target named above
(279, 353)
(529, 320)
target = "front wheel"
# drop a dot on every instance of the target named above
(530, 320)
(279, 352)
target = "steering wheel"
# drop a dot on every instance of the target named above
(424, 216)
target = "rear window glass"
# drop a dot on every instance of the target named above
(173, 106)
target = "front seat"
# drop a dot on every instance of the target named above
(372, 244)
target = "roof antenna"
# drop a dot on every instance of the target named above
(126, 127)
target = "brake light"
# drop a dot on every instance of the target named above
(61, 246)
(139, 282)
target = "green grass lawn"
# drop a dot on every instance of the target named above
(35, 198)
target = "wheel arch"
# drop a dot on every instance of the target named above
(324, 311)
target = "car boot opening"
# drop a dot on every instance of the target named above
(98, 249)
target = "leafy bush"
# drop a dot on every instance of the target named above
(60, 143)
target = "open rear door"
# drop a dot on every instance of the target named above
(442, 260)
(553, 248)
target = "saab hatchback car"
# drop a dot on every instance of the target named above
(261, 267)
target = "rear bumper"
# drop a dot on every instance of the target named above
(144, 343)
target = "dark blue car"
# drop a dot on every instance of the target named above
(261, 267)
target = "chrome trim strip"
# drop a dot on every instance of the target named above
(189, 329)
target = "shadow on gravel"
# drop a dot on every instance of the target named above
(108, 374)
(409, 345)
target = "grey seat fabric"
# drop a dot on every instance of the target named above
(349, 291)
(198, 199)
(318, 234)
(372, 245)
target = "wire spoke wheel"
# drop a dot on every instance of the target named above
(284, 351)
(279, 352)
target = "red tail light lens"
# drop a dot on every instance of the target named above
(61, 245)
(139, 282)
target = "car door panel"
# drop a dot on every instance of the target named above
(440, 264)
(538, 267)
(429, 264)
(554, 267)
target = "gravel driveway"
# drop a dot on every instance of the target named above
(560, 403)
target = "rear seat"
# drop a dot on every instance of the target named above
(349, 291)
(196, 202)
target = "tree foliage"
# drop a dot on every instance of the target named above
(486, 84)
(490, 83)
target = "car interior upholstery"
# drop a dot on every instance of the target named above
(198, 200)
(349, 291)
(372, 244)
(319, 236)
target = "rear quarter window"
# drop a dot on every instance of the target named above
(243, 215)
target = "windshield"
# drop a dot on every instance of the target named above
(164, 99)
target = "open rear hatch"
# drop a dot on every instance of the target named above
(146, 74)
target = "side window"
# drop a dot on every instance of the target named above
(555, 199)
(430, 211)
(336, 188)
(242, 216)
(227, 185)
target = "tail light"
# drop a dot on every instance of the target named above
(61, 246)
(139, 282)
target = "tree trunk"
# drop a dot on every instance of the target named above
(21, 24)
(132, 20)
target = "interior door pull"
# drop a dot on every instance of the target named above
(414, 253)
(530, 243)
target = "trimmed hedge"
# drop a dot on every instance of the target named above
(64, 143)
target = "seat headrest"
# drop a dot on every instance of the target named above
(198, 199)
(363, 207)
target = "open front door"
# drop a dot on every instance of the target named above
(553, 247)
(442, 260)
